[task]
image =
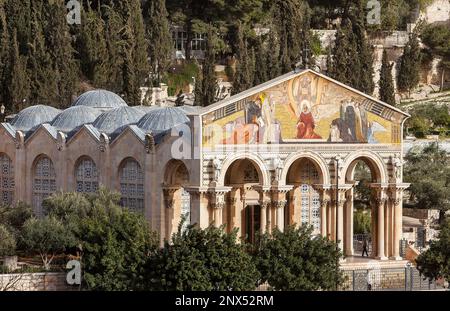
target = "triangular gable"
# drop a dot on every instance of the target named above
(87, 128)
(49, 130)
(302, 106)
(134, 130)
(282, 79)
(9, 129)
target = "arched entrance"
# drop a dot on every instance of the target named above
(304, 200)
(365, 202)
(243, 209)
(177, 199)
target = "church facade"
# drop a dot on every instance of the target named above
(281, 153)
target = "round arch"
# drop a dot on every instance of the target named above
(318, 161)
(254, 159)
(86, 175)
(375, 163)
(171, 173)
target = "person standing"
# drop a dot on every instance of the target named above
(365, 244)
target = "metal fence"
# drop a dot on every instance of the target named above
(387, 279)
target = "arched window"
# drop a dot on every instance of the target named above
(44, 182)
(6, 180)
(132, 185)
(310, 198)
(86, 176)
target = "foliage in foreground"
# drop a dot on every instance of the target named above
(115, 242)
(206, 260)
(435, 262)
(294, 260)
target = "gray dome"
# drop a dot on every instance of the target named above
(147, 109)
(74, 117)
(101, 99)
(33, 116)
(112, 120)
(162, 120)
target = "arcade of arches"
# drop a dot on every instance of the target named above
(310, 194)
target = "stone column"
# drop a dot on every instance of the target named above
(279, 202)
(380, 201)
(396, 197)
(169, 204)
(340, 223)
(280, 206)
(349, 223)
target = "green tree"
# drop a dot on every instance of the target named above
(243, 78)
(14, 217)
(4, 55)
(158, 36)
(260, 54)
(208, 260)
(291, 19)
(7, 242)
(272, 56)
(409, 73)
(362, 222)
(47, 237)
(209, 82)
(93, 48)
(428, 171)
(18, 84)
(294, 260)
(434, 263)
(387, 93)
(115, 242)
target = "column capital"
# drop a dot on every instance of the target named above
(279, 204)
(169, 192)
(324, 202)
(264, 204)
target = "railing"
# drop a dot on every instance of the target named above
(358, 240)
(387, 279)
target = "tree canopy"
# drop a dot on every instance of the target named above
(294, 260)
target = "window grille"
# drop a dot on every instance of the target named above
(86, 176)
(6, 180)
(44, 183)
(132, 185)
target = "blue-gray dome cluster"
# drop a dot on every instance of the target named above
(115, 119)
(33, 116)
(75, 116)
(100, 99)
(105, 112)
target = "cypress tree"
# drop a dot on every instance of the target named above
(4, 57)
(364, 72)
(292, 23)
(209, 81)
(114, 43)
(61, 52)
(242, 78)
(344, 56)
(93, 48)
(272, 56)
(260, 70)
(409, 74)
(387, 93)
(18, 82)
(43, 78)
(158, 36)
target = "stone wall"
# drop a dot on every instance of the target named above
(35, 282)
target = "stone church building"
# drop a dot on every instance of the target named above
(281, 153)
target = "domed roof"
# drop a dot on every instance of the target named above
(146, 109)
(33, 116)
(74, 117)
(111, 120)
(101, 99)
(161, 120)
